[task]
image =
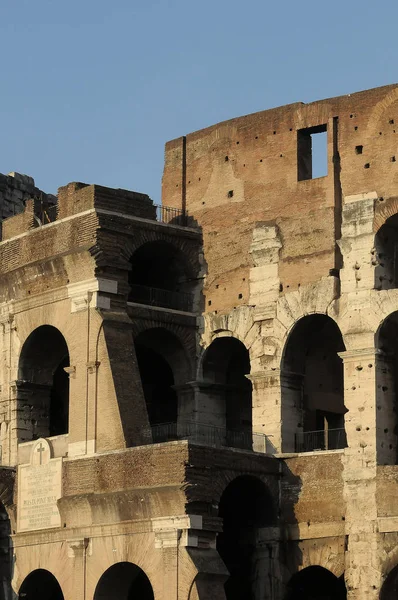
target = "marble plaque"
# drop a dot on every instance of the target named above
(39, 487)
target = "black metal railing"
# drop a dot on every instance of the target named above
(210, 435)
(163, 298)
(170, 215)
(324, 439)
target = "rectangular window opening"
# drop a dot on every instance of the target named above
(312, 152)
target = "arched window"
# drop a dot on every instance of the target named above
(313, 386)
(124, 581)
(40, 584)
(246, 505)
(43, 385)
(225, 365)
(386, 342)
(386, 250)
(316, 582)
(161, 276)
(163, 365)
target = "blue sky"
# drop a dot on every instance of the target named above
(92, 89)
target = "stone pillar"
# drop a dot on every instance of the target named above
(189, 555)
(267, 410)
(77, 551)
(201, 411)
(292, 410)
(359, 474)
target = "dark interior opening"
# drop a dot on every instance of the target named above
(389, 589)
(160, 276)
(226, 363)
(314, 383)
(43, 384)
(312, 152)
(40, 584)
(162, 364)
(316, 583)
(160, 397)
(386, 250)
(124, 581)
(245, 506)
(386, 342)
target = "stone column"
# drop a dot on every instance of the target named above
(202, 406)
(267, 409)
(359, 474)
(77, 551)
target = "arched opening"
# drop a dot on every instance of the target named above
(313, 387)
(386, 342)
(386, 255)
(43, 385)
(225, 366)
(161, 276)
(40, 584)
(245, 506)
(163, 367)
(389, 589)
(6, 554)
(316, 583)
(124, 581)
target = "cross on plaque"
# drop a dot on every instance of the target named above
(41, 449)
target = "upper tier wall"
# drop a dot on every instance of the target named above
(247, 170)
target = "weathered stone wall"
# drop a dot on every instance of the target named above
(256, 159)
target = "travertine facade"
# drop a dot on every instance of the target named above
(215, 380)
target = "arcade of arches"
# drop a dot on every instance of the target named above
(43, 384)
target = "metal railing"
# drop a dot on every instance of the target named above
(210, 435)
(170, 215)
(324, 439)
(157, 297)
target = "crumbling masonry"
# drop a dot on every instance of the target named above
(199, 400)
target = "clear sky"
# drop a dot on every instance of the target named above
(92, 89)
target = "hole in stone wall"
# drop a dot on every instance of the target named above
(358, 149)
(366, 166)
(230, 193)
(356, 128)
(391, 121)
(393, 159)
(312, 153)
(240, 296)
(226, 159)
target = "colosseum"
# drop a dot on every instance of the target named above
(199, 400)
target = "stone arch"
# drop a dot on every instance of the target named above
(225, 366)
(316, 582)
(43, 384)
(125, 581)
(312, 390)
(40, 584)
(246, 507)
